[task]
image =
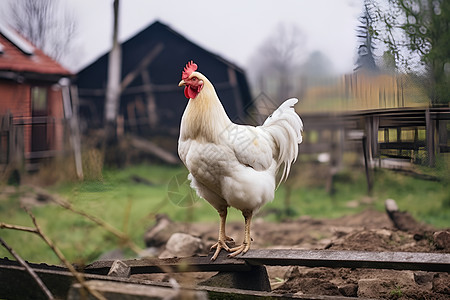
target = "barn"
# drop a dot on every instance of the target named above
(31, 101)
(151, 101)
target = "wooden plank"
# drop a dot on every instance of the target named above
(429, 138)
(14, 279)
(148, 146)
(187, 264)
(403, 145)
(141, 66)
(436, 262)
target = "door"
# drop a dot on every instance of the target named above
(39, 113)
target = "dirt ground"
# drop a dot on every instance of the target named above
(369, 231)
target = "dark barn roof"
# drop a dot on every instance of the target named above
(157, 56)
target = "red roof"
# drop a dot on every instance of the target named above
(14, 57)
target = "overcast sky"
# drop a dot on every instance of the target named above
(233, 29)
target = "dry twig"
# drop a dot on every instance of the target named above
(28, 269)
(37, 230)
(124, 238)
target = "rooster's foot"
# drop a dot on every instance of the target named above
(221, 244)
(238, 250)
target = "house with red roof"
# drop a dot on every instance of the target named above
(31, 96)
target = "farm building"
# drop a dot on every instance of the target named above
(31, 101)
(151, 101)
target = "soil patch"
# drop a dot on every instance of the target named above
(367, 231)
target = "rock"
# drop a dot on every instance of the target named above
(390, 205)
(349, 290)
(442, 239)
(119, 269)
(160, 233)
(182, 245)
(424, 279)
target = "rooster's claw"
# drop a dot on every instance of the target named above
(221, 244)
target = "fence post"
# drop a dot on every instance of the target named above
(429, 138)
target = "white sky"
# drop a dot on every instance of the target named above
(233, 29)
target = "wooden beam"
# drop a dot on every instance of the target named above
(145, 145)
(141, 66)
(434, 262)
(429, 138)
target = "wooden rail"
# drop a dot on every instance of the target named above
(249, 276)
(436, 262)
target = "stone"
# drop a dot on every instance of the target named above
(182, 245)
(159, 234)
(424, 279)
(119, 269)
(442, 239)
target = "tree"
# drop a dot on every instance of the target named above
(45, 23)
(366, 48)
(114, 76)
(418, 29)
(276, 60)
(317, 65)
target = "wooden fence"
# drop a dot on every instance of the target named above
(19, 153)
(409, 135)
(387, 132)
(11, 142)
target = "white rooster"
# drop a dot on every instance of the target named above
(229, 164)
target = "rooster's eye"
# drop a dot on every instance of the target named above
(194, 78)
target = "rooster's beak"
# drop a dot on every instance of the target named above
(181, 83)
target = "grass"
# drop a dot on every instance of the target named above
(130, 206)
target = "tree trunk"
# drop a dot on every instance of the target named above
(113, 92)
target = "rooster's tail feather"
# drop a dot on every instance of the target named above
(286, 127)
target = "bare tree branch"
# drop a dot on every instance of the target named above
(45, 23)
(17, 227)
(123, 237)
(63, 259)
(28, 269)
(37, 230)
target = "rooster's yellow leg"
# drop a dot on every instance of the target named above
(247, 239)
(223, 238)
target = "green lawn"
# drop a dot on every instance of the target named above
(130, 206)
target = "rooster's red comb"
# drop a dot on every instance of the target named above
(190, 67)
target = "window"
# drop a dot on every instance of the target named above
(39, 101)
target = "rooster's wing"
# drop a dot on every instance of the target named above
(252, 146)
